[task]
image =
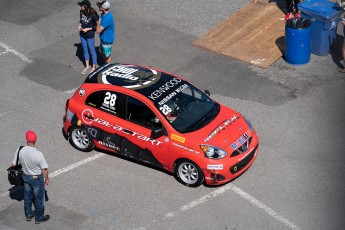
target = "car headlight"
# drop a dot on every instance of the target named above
(213, 152)
(249, 124)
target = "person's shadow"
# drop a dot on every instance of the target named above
(336, 50)
(80, 54)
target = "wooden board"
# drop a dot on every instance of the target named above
(254, 34)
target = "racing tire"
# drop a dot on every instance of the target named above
(80, 139)
(188, 173)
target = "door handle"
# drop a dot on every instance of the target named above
(128, 131)
(89, 117)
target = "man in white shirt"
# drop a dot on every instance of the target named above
(35, 176)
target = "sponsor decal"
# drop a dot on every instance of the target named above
(178, 138)
(79, 123)
(81, 92)
(185, 148)
(135, 77)
(172, 94)
(120, 71)
(215, 167)
(164, 88)
(109, 145)
(88, 114)
(222, 126)
(240, 141)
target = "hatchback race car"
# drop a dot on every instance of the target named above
(160, 119)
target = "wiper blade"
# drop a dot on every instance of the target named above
(210, 114)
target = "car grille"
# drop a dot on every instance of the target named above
(240, 165)
(242, 149)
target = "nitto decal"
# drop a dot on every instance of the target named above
(185, 148)
(178, 138)
(215, 167)
(109, 145)
(220, 127)
(162, 89)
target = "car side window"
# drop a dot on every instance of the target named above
(141, 114)
(105, 100)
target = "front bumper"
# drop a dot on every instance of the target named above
(230, 167)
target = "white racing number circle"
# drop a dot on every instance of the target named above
(87, 116)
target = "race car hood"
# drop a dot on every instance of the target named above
(224, 130)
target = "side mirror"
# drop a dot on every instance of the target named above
(156, 133)
(207, 92)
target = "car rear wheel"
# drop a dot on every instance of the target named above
(188, 173)
(81, 139)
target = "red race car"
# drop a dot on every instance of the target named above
(160, 119)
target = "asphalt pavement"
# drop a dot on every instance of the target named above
(296, 182)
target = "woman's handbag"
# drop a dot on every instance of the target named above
(15, 172)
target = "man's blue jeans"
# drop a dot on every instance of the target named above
(34, 192)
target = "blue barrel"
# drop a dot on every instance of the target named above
(325, 16)
(297, 41)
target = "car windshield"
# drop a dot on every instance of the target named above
(188, 109)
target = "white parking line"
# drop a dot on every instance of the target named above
(71, 90)
(244, 195)
(194, 203)
(66, 169)
(10, 50)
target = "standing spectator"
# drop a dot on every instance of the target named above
(292, 6)
(87, 28)
(106, 30)
(35, 176)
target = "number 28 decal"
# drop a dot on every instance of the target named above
(165, 109)
(110, 99)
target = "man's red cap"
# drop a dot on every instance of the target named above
(31, 136)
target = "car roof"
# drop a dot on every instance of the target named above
(147, 81)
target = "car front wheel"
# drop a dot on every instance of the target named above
(81, 139)
(188, 173)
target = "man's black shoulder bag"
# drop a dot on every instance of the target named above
(15, 172)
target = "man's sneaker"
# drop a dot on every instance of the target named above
(44, 219)
(287, 16)
(297, 15)
(28, 218)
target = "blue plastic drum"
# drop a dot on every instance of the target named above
(297, 41)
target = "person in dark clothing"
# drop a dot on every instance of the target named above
(87, 28)
(292, 6)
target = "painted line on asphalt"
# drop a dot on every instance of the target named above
(244, 195)
(67, 168)
(10, 50)
(5, 113)
(71, 90)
